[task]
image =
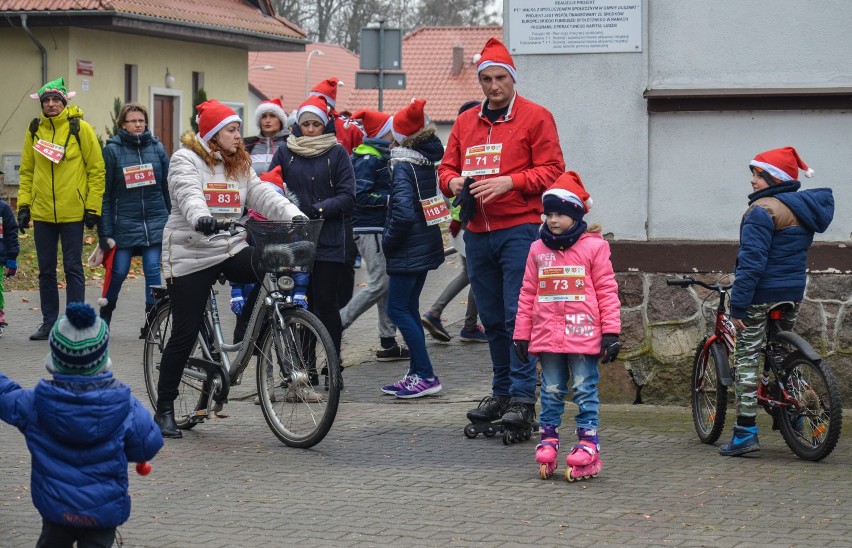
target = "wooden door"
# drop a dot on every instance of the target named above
(164, 121)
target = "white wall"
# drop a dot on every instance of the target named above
(684, 175)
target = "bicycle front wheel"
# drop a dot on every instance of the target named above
(296, 357)
(192, 394)
(811, 424)
(709, 395)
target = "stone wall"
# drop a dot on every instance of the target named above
(662, 326)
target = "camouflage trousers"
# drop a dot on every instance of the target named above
(748, 353)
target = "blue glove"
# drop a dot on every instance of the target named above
(237, 301)
(11, 268)
(300, 300)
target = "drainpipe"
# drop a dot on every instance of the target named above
(38, 45)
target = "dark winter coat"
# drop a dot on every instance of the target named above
(410, 246)
(135, 217)
(372, 186)
(261, 149)
(8, 234)
(776, 231)
(82, 432)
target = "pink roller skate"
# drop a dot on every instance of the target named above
(584, 460)
(546, 451)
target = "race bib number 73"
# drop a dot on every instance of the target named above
(561, 283)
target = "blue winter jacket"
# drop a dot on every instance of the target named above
(8, 234)
(82, 432)
(135, 217)
(409, 245)
(775, 233)
(372, 186)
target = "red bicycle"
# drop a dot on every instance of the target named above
(797, 388)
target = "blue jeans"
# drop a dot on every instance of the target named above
(403, 310)
(556, 369)
(47, 237)
(495, 265)
(121, 266)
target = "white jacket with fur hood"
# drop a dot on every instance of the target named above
(186, 251)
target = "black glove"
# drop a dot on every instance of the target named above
(315, 213)
(522, 349)
(91, 219)
(103, 243)
(299, 219)
(609, 348)
(23, 218)
(206, 225)
(467, 202)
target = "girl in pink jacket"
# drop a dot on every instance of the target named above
(569, 315)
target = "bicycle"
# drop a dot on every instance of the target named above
(797, 387)
(292, 346)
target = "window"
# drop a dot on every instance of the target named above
(130, 83)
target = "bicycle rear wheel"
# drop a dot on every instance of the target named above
(709, 395)
(192, 392)
(293, 357)
(811, 426)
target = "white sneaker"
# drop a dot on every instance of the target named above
(302, 394)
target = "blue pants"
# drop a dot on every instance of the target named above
(47, 236)
(403, 310)
(556, 369)
(495, 265)
(121, 266)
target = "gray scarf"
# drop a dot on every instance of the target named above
(311, 147)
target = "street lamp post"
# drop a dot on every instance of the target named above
(308, 70)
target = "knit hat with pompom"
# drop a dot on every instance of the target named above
(79, 343)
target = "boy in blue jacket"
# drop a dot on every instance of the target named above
(82, 428)
(775, 233)
(8, 253)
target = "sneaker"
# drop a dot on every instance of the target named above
(395, 352)
(435, 328)
(302, 394)
(41, 334)
(418, 387)
(392, 389)
(473, 334)
(744, 441)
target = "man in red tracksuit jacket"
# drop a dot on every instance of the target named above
(510, 146)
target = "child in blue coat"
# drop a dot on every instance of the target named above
(82, 428)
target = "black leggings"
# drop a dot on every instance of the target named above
(324, 297)
(188, 296)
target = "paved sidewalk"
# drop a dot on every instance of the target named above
(402, 473)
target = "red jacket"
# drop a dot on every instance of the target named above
(531, 155)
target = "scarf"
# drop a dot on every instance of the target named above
(409, 156)
(561, 242)
(311, 147)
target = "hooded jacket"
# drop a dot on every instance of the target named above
(531, 155)
(82, 432)
(409, 244)
(372, 186)
(263, 148)
(135, 216)
(186, 251)
(775, 233)
(62, 192)
(570, 327)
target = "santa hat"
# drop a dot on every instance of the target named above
(79, 342)
(782, 164)
(313, 105)
(275, 176)
(375, 123)
(409, 120)
(327, 89)
(54, 88)
(495, 54)
(98, 258)
(275, 107)
(567, 196)
(212, 117)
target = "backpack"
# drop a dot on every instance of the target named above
(73, 129)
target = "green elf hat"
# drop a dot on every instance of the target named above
(54, 88)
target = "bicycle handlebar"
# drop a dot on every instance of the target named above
(687, 281)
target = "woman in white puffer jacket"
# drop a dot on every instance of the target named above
(210, 179)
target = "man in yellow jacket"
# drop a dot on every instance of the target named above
(61, 189)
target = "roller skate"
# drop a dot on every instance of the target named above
(485, 419)
(518, 422)
(584, 461)
(546, 451)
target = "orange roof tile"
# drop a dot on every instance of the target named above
(226, 14)
(427, 60)
(287, 80)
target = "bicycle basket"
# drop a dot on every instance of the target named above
(285, 246)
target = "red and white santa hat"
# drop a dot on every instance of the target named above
(409, 120)
(327, 89)
(782, 163)
(313, 105)
(567, 196)
(212, 117)
(375, 123)
(495, 54)
(275, 107)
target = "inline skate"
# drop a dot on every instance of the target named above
(584, 461)
(485, 419)
(518, 422)
(546, 452)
